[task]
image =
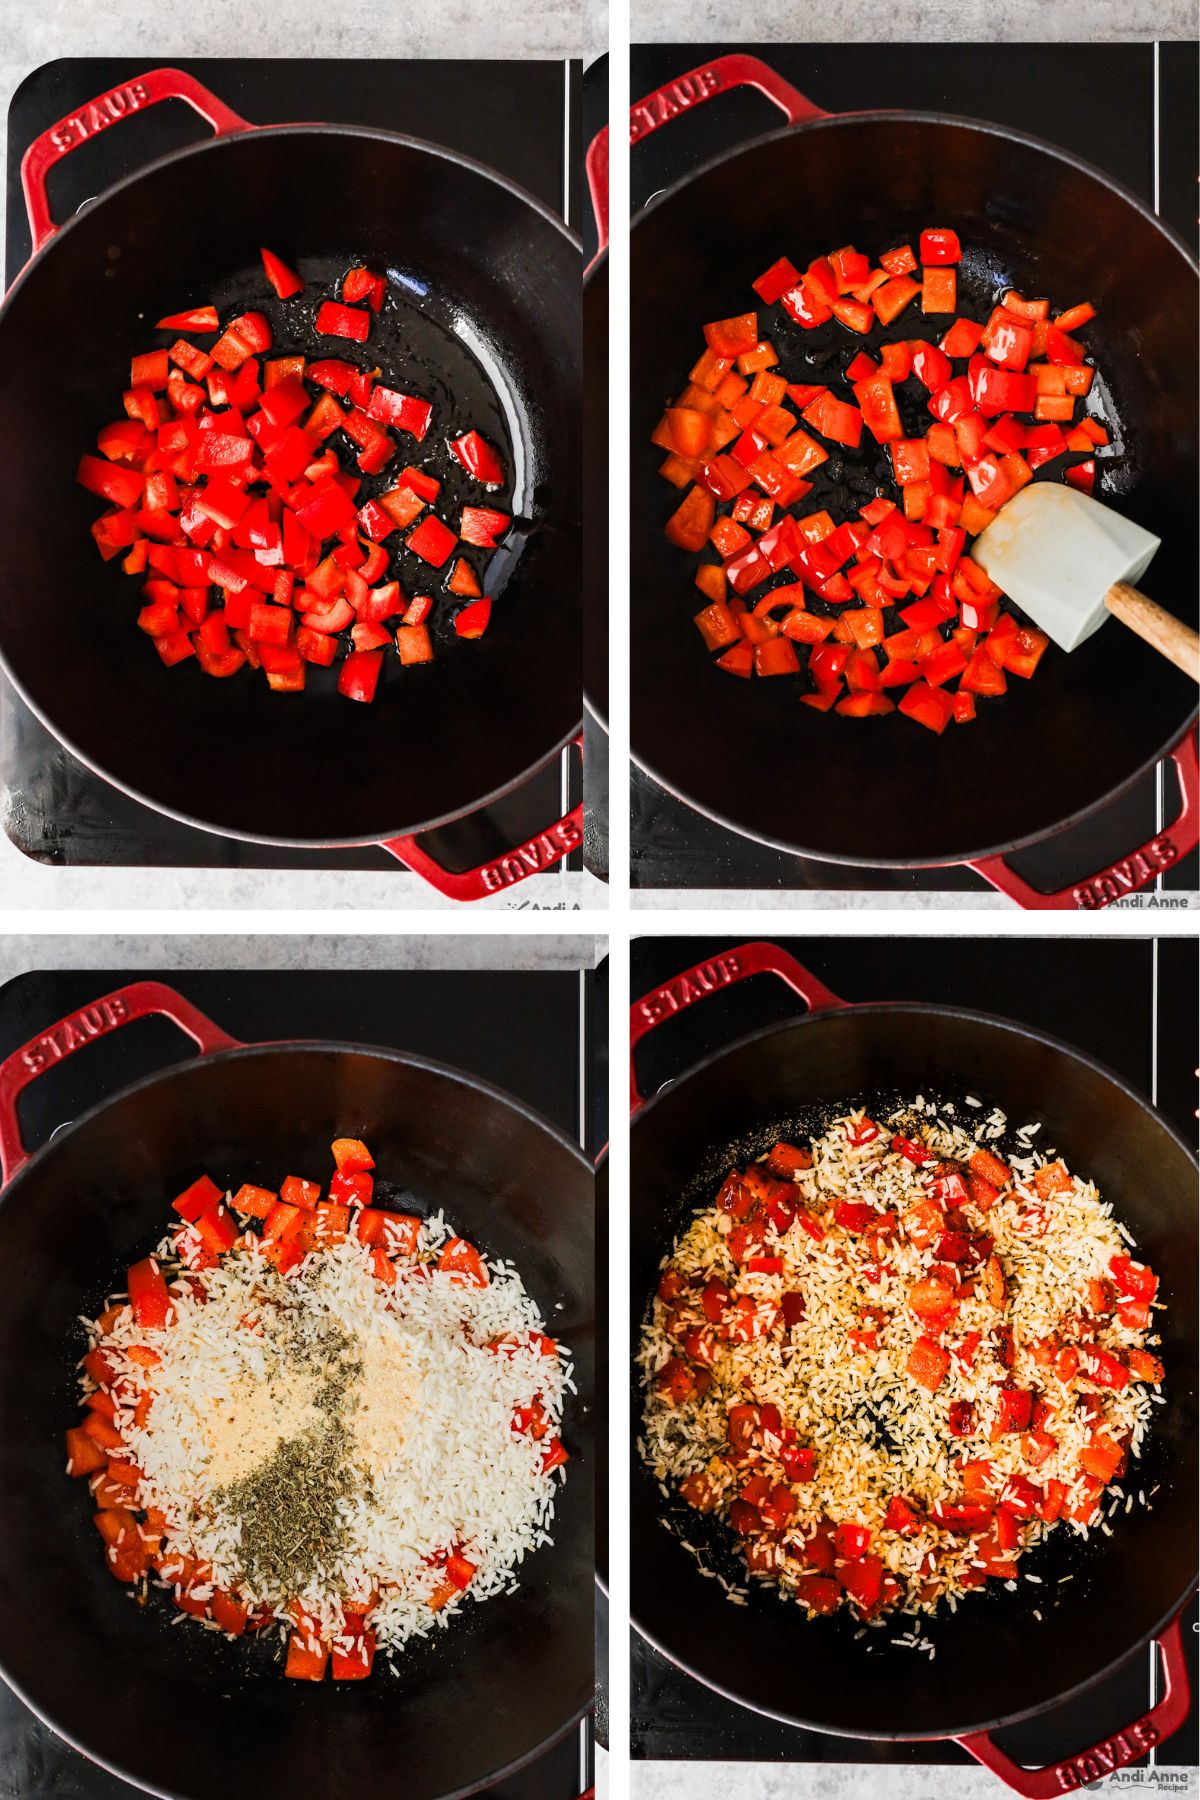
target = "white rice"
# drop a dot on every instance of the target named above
(876, 1432)
(460, 1477)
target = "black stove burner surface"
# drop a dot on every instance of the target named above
(522, 118)
(1146, 1031)
(461, 1018)
(1128, 108)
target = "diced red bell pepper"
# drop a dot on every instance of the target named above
(335, 320)
(463, 1261)
(325, 514)
(939, 291)
(201, 1197)
(732, 337)
(1102, 1367)
(148, 1294)
(799, 1462)
(877, 403)
(358, 676)
(930, 706)
(361, 284)
(351, 1154)
(1144, 1367)
(217, 1230)
(351, 1187)
(414, 643)
(819, 1593)
(1014, 1410)
(472, 621)
(893, 296)
(195, 318)
(432, 541)
(481, 526)
(834, 419)
(555, 1455)
(1007, 339)
(854, 1215)
(967, 1516)
(776, 281)
(478, 458)
(1133, 1278)
(862, 1580)
(852, 1541)
(939, 246)
(307, 1656)
(353, 1651)
(962, 339)
(255, 1202)
(84, 1454)
(269, 624)
(806, 306)
(285, 281)
(913, 1150)
(961, 1418)
(998, 390)
(1101, 1457)
(1025, 651)
(983, 675)
(121, 486)
(931, 366)
(854, 314)
(900, 261)
(928, 1361)
(901, 1516)
(375, 522)
(403, 411)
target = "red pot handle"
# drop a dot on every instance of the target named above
(1132, 872)
(137, 1001)
(706, 978)
(530, 858)
(720, 76)
(596, 165)
(84, 123)
(666, 103)
(1163, 1719)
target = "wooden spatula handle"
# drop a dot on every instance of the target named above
(1156, 627)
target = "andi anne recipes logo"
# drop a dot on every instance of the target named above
(1156, 1781)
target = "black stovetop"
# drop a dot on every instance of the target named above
(1145, 1029)
(521, 118)
(595, 737)
(462, 1018)
(1129, 108)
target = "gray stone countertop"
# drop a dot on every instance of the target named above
(849, 1781)
(22, 951)
(28, 887)
(933, 21)
(163, 30)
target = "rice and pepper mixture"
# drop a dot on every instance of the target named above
(891, 1362)
(346, 1423)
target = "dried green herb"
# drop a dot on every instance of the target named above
(288, 1510)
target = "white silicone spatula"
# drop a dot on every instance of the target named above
(1069, 562)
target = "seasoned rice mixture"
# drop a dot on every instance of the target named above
(344, 1423)
(892, 1363)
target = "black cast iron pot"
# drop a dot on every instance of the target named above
(995, 1663)
(483, 309)
(1030, 216)
(174, 1710)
